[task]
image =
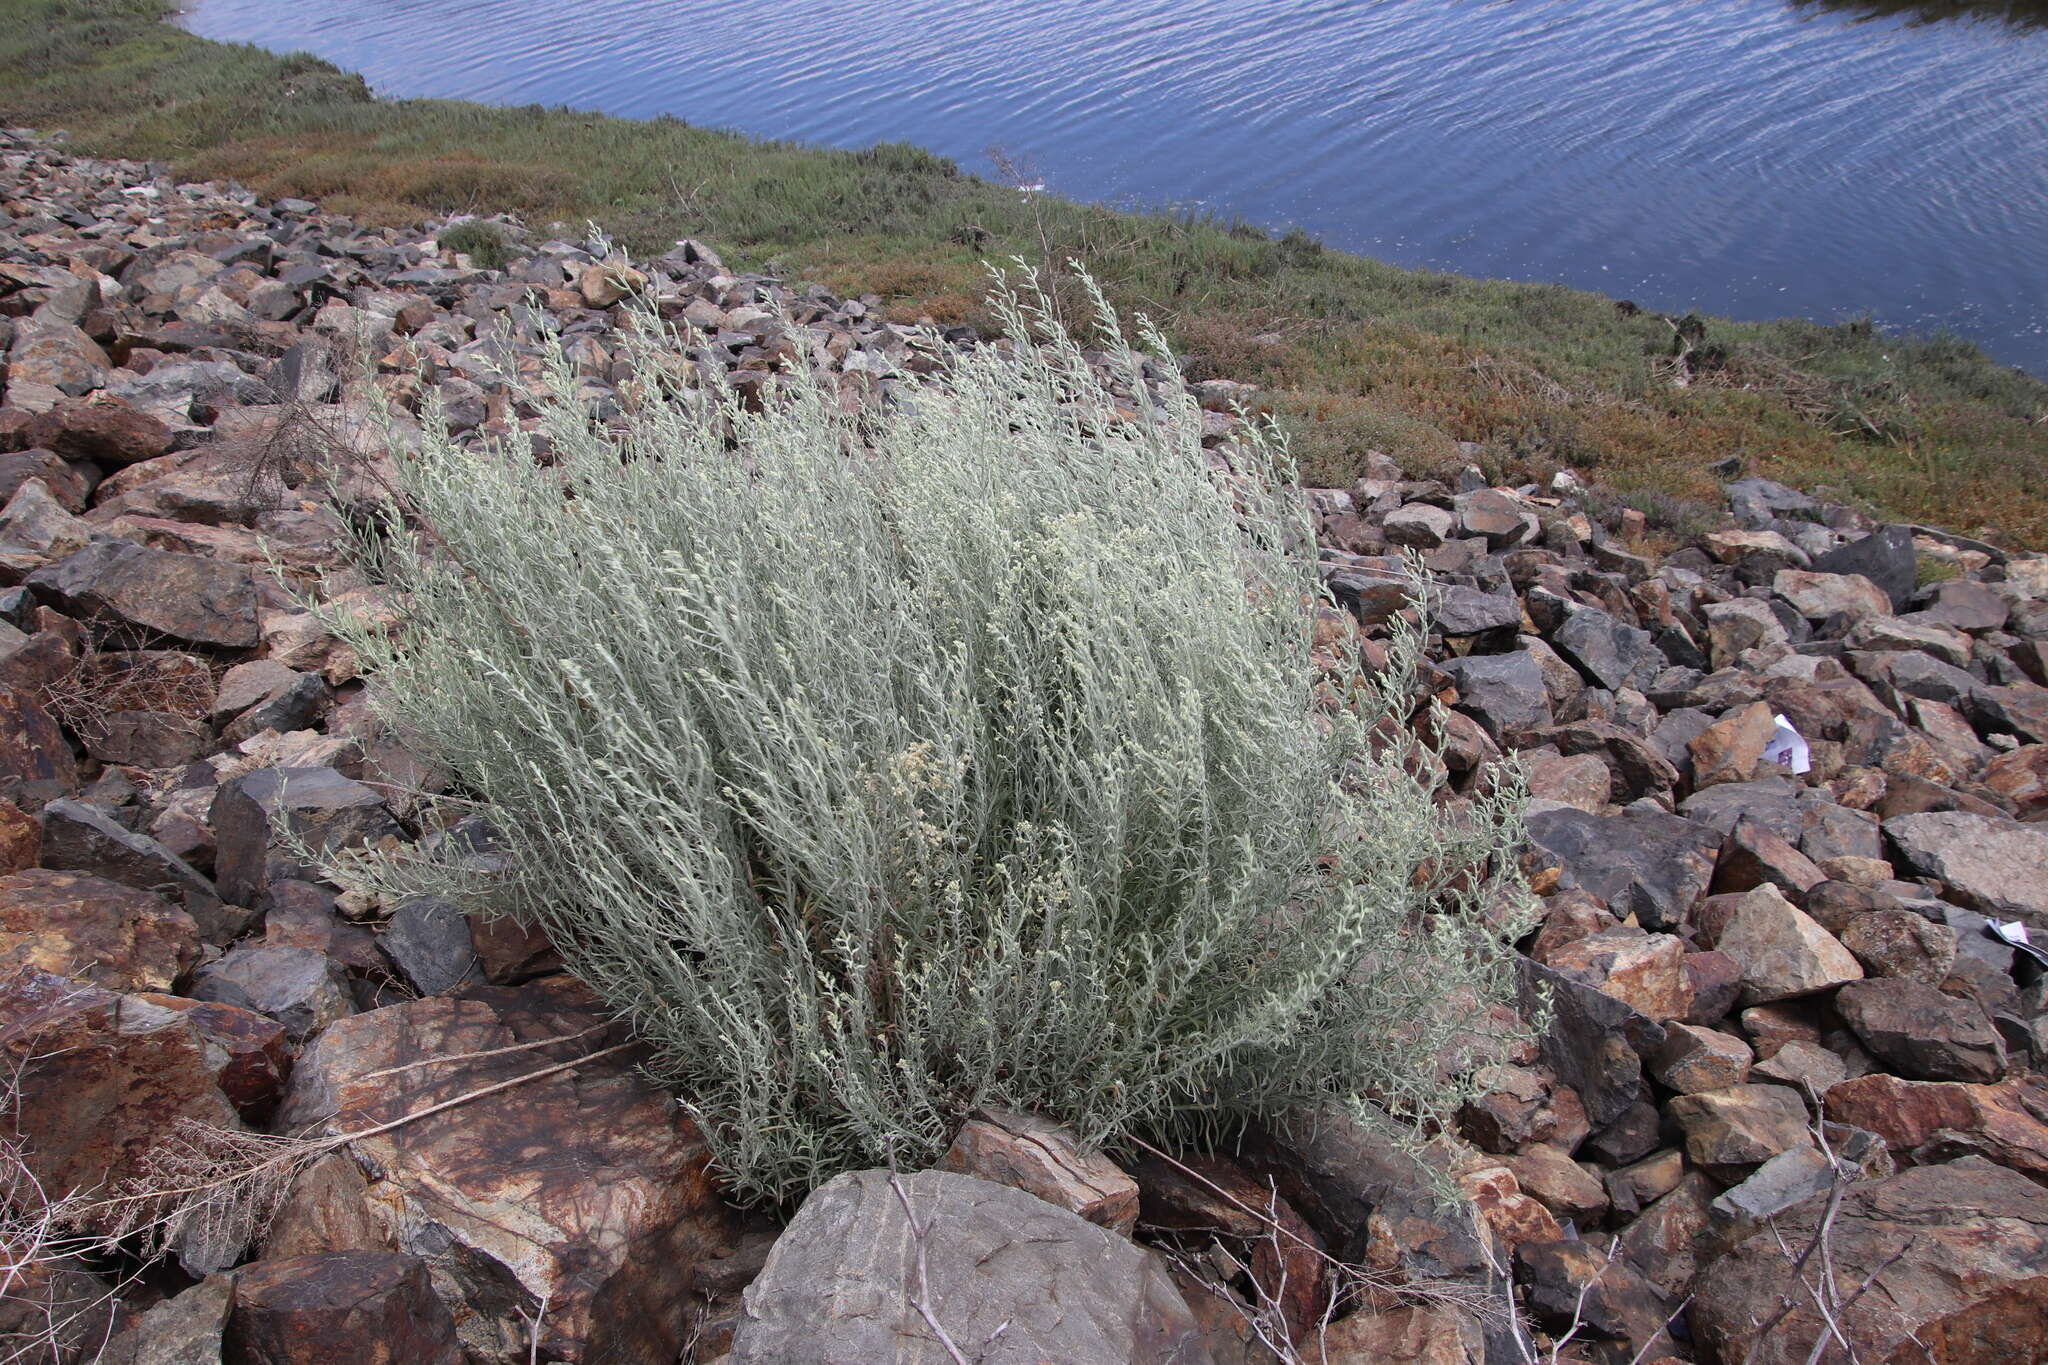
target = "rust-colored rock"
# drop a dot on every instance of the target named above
(251, 1052)
(21, 838)
(1213, 1195)
(1694, 1059)
(589, 1189)
(1933, 1120)
(1548, 1175)
(1730, 748)
(1969, 1289)
(107, 431)
(90, 929)
(103, 1078)
(1643, 971)
(1416, 1335)
(339, 1308)
(32, 748)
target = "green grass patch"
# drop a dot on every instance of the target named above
(1358, 354)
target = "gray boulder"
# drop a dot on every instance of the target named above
(1609, 652)
(1011, 1279)
(322, 811)
(428, 939)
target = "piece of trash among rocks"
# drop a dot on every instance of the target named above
(1787, 747)
(2015, 933)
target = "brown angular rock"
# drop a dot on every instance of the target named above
(56, 353)
(1730, 749)
(1573, 1283)
(322, 809)
(103, 1078)
(1646, 1181)
(33, 520)
(1554, 1180)
(1513, 1216)
(327, 1209)
(1739, 1126)
(1040, 1157)
(83, 838)
(1643, 971)
(339, 1308)
(1581, 781)
(588, 1189)
(1968, 1291)
(250, 1053)
(1693, 1060)
(58, 1302)
(1817, 596)
(1920, 1033)
(2021, 777)
(66, 482)
(1781, 951)
(21, 838)
(1672, 1237)
(32, 748)
(1755, 855)
(90, 929)
(1807, 1067)
(184, 597)
(1716, 985)
(1217, 1196)
(1899, 943)
(1417, 1335)
(1377, 1201)
(603, 285)
(108, 431)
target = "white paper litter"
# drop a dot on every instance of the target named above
(2015, 933)
(1788, 748)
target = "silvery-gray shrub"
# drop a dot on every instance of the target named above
(878, 766)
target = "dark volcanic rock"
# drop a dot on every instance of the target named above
(199, 601)
(1504, 692)
(1921, 1033)
(1652, 865)
(1885, 557)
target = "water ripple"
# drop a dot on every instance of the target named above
(1746, 157)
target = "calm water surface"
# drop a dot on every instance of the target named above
(1749, 157)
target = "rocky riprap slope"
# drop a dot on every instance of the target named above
(1783, 1043)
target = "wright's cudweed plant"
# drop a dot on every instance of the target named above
(961, 753)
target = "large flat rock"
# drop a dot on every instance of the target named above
(1998, 867)
(1011, 1279)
